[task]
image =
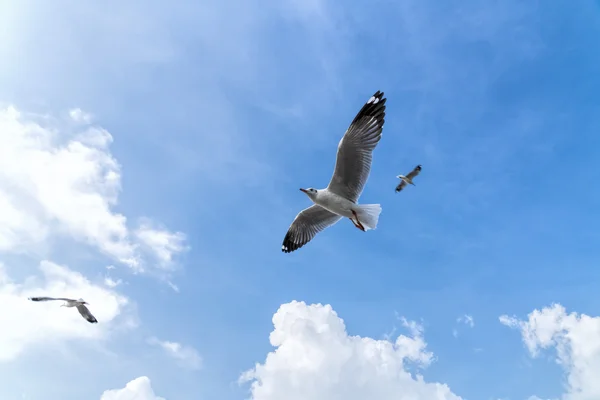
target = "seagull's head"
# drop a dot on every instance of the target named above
(310, 192)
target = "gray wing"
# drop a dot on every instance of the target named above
(85, 313)
(400, 186)
(355, 151)
(414, 172)
(49, 298)
(306, 225)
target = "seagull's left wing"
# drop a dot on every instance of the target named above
(85, 313)
(400, 186)
(49, 298)
(306, 225)
(355, 151)
(414, 172)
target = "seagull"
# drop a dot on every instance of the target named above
(80, 304)
(352, 168)
(408, 178)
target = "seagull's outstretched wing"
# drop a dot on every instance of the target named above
(306, 225)
(85, 313)
(400, 186)
(414, 172)
(49, 298)
(355, 151)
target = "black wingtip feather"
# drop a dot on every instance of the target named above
(288, 246)
(374, 107)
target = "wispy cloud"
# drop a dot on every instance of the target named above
(186, 355)
(80, 116)
(111, 283)
(163, 243)
(467, 320)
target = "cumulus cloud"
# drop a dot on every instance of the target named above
(186, 355)
(138, 389)
(54, 181)
(576, 339)
(27, 323)
(316, 359)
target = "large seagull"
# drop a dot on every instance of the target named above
(352, 168)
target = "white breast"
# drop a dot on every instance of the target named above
(334, 203)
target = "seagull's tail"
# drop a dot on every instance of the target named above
(368, 215)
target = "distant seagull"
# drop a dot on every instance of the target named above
(352, 168)
(408, 178)
(83, 310)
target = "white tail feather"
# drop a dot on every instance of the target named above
(368, 215)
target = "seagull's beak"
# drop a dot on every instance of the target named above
(304, 190)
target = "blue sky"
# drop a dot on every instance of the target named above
(220, 111)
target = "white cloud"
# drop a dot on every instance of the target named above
(576, 338)
(186, 355)
(138, 389)
(56, 182)
(316, 359)
(162, 243)
(467, 320)
(173, 286)
(27, 323)
(78, 115)
(111, 283)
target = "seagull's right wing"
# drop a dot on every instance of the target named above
(400, 186)
(355, 151)
(306, 225)
(85, 313)
(414, 172)
(49, 298)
